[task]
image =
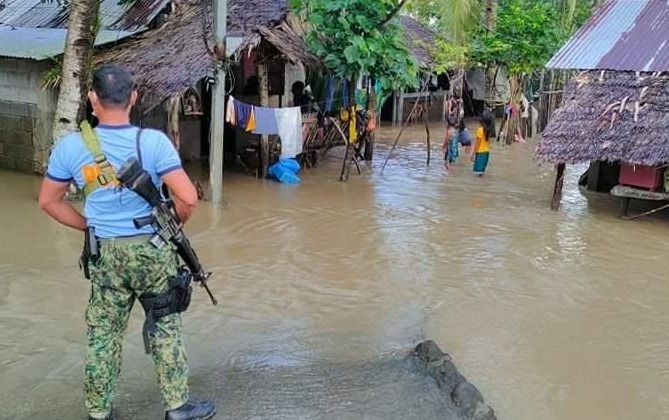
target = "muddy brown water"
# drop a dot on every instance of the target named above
(553, 315)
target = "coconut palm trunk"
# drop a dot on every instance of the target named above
(70, 108)
(491, 25)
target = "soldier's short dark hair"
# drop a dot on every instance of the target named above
(114, 85)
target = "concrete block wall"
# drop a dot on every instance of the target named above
(17, 125)
(26, 115)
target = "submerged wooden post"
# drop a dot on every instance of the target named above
(372, 113)
(399, 135)
(400, 107)
(426, 119)
(263, 82)
(395, 99)
(352, 132)
(444, 106)
(530, 118)
(557, 190)
(217, 128)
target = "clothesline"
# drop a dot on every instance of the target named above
(319, 103)
(257, 106)
(284, 122)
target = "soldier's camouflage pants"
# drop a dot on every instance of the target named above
(124, 271)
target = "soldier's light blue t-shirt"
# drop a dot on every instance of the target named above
(111, 210)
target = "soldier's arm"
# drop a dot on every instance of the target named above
(183, 193)
(52, 201)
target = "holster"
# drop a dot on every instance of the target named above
(91, 251)
(157, 305)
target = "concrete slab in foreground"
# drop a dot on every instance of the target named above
(425, 385)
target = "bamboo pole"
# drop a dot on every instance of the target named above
(426, 119)
(343, 136)
(399, 135)
(263, 81)
(352, 131)
(372, 112)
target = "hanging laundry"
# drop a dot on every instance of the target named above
(251, 125)
(265, 121)
(230, 111)
(243, 112)
(289, 123)
(352, 130)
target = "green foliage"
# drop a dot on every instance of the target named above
(448, 56)
(582, 11)
(53, 75)
(528, 33)
(455, 20)
(356, 37)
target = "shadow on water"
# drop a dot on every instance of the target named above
(324, 286)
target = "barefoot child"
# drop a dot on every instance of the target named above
(482, 147)
(451, 144)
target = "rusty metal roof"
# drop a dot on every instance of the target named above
(625, 35)
(40, 14)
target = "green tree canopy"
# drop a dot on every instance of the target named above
(454, 20)
(356, 37)
(528, 33)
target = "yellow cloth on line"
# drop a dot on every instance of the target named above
(251, 125)
(352, 132)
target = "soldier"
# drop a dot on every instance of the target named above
(129, 266)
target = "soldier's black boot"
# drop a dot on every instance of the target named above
(110, 416)
(192, 410)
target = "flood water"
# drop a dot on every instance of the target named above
(552, 315)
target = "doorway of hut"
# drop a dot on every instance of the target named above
(231, 150)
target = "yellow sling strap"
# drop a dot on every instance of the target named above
(101, 173)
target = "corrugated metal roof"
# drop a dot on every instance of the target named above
(626, 35)
(42, 43)
(40, 14)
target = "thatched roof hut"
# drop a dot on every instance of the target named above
(285, 40)
(420, 40)
(610, 116)
(169, 60)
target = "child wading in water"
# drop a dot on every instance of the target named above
(451, 144)
(482, 147)
(465, 138)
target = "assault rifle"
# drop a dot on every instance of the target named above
(164, 220)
